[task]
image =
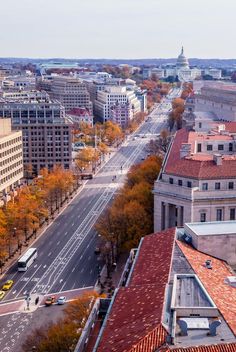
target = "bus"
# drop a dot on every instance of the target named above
(86, 176)
(27, 259)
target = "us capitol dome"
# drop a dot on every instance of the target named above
(182, 61)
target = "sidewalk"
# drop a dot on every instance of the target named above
(108, 285)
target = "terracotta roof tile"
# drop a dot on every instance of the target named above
(222, 294)
(156, 248)
(201, 169)
(134, 323)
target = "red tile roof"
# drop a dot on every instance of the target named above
(134, 323)
(199, 169)
(230, 126)
(222, 293)
(225, 347)
(156, 248)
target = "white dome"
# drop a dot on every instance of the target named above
(182, 61)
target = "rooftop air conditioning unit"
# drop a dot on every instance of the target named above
(208, 264)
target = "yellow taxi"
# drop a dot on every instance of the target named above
(8, 284)
(2, 294)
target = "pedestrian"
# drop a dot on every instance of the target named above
(36, 300)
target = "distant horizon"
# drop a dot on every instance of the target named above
(111, 58)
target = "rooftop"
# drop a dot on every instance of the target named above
(199, 165)
(214, 281)
(141, 317)
(210, 228)
(138, 308)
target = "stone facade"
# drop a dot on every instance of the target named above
(198, 179)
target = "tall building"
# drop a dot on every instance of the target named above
(46, 134)
(71, 92)
(198, 178)
(11, 158)
(112, 95)
(122, 114)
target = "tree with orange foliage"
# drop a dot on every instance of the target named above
(175, 116)
(26, 215)
(3, 233)
(131, 213)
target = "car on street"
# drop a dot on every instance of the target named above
(8, 284)
(97, 250)
(61, 300)
(50, 300)
(2, 294)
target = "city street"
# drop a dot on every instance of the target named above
(66, 258)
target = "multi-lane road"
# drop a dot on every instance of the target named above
(66, 258)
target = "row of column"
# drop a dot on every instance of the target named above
(172, 215)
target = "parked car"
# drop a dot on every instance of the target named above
(2, 294)
(8, 284)
(97, 250)
(50, 300)
(61, 300)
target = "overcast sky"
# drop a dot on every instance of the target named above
(118, 28)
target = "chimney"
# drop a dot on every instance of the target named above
(217, 159)
(185, 150)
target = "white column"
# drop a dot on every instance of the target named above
(179, 216)
(167, 215)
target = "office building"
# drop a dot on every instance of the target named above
(11, 158)
(111, 96)
(71, 92)
(46, 133)
(219, 98)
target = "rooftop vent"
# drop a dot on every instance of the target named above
(208, 264)
(217, 159)
(185, 150)
(231, 280)
(213, 326)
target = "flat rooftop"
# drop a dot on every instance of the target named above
(212, 228)
(189, 293)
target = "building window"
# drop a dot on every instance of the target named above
(230, 147)
(199, 148)
(180, 182)
(219, 214)
(200, 125)
(232, 214)
(205, 186)
(217, 185)
(220, 146)
(231, 185)
(203, 217)
(209, 147)
(189, 184)
(171, 181)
